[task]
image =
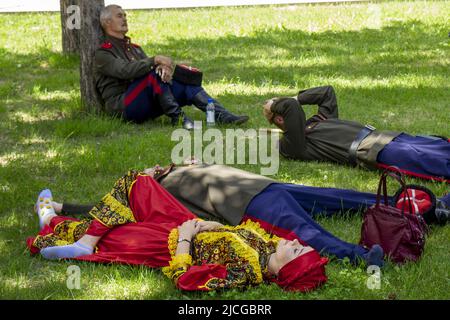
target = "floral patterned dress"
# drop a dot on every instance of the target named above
(228, 257)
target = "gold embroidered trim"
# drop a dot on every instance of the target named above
(256, 227)
(49, 240)
(173, 241)
(132, 184)
(112, 212)
(177, 266)
(206, 285)
(239, 246)
(70, 230)
(119, 208)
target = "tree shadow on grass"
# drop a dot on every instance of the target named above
(401, 48)
(351, 55)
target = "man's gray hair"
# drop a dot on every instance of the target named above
(106, 14)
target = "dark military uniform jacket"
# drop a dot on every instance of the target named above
(117, 63)
(324, 137)
(212, 192)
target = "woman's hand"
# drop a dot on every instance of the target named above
(151, 171)
(209, 225)
(189, 229)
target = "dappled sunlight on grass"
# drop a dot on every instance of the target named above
(10, 157)
(125, 289)
(18, 282)
(33, 140)
(246, 89)
(25, 117)
(57, 94)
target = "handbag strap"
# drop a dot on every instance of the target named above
(382, 189)
(393, 172)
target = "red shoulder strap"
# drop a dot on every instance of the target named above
(107, 45)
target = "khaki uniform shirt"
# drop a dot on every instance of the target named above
(117, 63)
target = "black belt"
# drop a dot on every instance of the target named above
(355, 144)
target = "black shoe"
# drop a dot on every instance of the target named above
(231, 118)
(442, 212)
(222, 115)
(187, 123)
(172, 109)
(375, 256)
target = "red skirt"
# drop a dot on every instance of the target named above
(145, 242)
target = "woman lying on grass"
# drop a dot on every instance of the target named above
(139, 222)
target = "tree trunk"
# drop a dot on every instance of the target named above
(90, 35)
(70, 26)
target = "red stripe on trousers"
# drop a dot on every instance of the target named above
(141, 86)
(413, 174)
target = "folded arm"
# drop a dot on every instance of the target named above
(293, 142)
(324, 97)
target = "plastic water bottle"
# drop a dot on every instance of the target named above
(210, 113)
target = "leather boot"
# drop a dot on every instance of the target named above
(200, 100)
(172, 109)
(442, 212)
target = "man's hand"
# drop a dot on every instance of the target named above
(268, 114)
(164, 72)
(163, 60)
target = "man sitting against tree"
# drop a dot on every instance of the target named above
(137, 87)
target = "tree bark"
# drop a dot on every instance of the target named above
(70, 32)
(90, 35)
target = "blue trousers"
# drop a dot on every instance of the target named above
(418, 156)
(141, 103)
(293, 207)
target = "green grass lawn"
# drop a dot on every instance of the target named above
(389, 64)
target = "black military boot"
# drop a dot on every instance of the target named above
(222, 115)
(442, 212)
(172, 109)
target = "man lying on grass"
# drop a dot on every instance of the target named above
(325, 137)
(137, 87)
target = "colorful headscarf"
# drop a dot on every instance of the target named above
(304, 273)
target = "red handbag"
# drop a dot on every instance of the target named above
(400, 234)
